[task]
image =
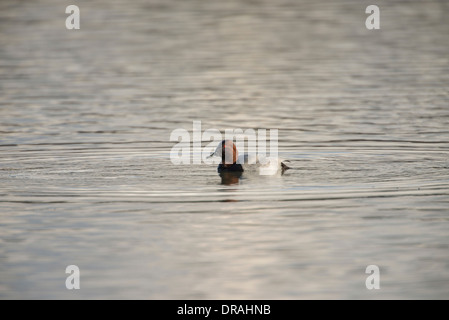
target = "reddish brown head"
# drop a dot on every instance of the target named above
(228, 153)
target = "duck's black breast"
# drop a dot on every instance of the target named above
(233, 168)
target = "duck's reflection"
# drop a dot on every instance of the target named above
(230, 178)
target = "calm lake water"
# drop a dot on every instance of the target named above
(86, 178)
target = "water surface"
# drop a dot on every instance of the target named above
(86, 178)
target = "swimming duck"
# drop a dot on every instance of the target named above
(232, 162)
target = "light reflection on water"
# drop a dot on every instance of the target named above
(85, 121)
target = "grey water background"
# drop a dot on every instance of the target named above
(86, 178)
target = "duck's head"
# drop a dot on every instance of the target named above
(227, 151)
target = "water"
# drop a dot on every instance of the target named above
(86, 179)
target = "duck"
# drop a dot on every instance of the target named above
(231, 161)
